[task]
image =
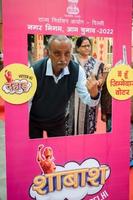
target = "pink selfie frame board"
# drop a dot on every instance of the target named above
(105, 18)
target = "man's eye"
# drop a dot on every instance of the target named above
(67, 54)
(56, 53)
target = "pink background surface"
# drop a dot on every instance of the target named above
(111, 149)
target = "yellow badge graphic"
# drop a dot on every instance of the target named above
(17, 83)
(120, 82)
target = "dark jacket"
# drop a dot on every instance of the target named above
(50, 100)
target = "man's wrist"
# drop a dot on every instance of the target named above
(96, 97)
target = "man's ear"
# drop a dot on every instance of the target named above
(49, 53)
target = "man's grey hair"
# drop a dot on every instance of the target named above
(59, 38)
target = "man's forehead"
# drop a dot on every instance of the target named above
(62, 43)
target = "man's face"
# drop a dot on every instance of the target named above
(60, 54)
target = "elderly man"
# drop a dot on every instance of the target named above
(57, 77)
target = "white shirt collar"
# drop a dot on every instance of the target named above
(49, 70)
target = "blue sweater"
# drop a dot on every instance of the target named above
(50, 100)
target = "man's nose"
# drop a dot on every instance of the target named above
(63, 58)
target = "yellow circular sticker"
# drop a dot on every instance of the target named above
(120, 82)
(17, 83)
